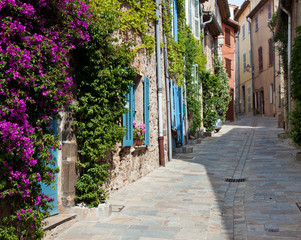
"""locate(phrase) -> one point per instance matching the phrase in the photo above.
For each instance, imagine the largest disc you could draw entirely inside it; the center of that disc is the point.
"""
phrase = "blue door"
(177, 114)
(48, 190)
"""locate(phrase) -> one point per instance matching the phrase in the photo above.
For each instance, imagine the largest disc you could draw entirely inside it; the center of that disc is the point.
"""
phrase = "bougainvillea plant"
(35, 39)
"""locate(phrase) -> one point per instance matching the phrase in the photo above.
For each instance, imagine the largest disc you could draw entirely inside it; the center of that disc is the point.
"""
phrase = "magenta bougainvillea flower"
(36, 38)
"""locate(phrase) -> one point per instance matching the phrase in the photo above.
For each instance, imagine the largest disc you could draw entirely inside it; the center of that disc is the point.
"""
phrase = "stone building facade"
(128, 163)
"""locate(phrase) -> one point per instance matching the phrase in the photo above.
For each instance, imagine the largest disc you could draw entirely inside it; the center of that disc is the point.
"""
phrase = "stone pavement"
(243, 183)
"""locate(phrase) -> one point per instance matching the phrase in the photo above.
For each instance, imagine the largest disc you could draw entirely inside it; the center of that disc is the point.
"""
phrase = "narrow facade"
(244, 86)
(265, 81)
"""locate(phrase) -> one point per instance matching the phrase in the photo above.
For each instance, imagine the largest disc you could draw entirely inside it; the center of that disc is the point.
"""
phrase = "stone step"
(194, 141)
(57, 224)
(185, 149)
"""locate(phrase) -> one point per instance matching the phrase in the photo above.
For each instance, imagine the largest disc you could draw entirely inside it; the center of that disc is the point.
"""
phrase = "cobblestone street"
(242, 183)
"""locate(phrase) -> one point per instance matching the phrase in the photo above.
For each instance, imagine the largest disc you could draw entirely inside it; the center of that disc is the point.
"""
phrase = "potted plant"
(138, 134)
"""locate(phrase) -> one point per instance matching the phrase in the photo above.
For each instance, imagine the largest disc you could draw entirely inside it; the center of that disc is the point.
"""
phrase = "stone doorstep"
(184, 149)
(91, 214)
(57, 224)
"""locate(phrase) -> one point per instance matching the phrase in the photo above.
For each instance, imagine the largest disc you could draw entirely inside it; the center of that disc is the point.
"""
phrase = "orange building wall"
(228, 52)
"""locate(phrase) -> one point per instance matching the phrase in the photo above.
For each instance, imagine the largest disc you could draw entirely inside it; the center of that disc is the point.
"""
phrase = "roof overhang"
(257, 8)
(224, 9)
(213, 27)
(233, 24)
(242, 9)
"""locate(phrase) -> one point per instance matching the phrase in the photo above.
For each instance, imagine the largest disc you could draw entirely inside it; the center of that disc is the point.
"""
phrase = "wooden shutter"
(227, 37)
(197, 20)
(146, 110)
(244, 58)
(175, 20)
(260, 62)
(172, 104)
(243, 31)
(228, 67)
(128, 120)
(181, 113)
(270, 51)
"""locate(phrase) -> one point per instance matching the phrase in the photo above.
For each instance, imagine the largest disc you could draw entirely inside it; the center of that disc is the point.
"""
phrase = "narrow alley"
(242, 183)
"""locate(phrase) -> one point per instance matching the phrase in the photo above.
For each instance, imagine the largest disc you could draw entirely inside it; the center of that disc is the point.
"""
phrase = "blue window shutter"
(181, 113)
(172, 105)
(128, 120)
(175, 19)
(146, 110)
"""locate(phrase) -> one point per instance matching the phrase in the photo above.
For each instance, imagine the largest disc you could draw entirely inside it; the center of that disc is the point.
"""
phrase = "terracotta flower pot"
(137, 142)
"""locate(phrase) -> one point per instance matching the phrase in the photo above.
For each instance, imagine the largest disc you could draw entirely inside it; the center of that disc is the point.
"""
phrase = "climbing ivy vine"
(104, 74)
(296, 88)
(182, 56)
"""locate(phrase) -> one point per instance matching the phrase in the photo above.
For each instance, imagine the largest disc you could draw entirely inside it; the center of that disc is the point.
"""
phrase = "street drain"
(117, 208)
(299, 206)
(235, 179)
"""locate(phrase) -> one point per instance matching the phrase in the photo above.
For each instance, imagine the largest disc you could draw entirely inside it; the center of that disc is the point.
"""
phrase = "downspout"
(167, 99)
(186, 113)
(159, 84)
(252, 65)
(238, 73)
(203, 24)
(288, 60)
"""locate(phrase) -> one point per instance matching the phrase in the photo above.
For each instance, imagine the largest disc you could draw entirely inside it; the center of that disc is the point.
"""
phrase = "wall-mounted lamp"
(220, 40)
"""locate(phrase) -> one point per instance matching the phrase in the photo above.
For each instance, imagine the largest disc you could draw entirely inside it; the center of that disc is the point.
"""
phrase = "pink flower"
(138, 133)
(144, 130)
(134, 123)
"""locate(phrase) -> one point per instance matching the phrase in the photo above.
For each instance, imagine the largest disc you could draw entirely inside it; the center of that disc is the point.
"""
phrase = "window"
(129, 116)
(260, 60)
(271, 55)
(249, 24)
(227, 37)
(249, 98)
(228, 67)
(269, 12)
(243, 31)
(250, 55)
(174, 22)
(256, 23)
(244, 59)
(196, 19)
(271, 93)
(128, 119)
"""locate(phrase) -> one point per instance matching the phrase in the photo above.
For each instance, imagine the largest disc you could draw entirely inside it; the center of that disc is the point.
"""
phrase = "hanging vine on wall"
(104, 72)
(182, 56)
(296, 88)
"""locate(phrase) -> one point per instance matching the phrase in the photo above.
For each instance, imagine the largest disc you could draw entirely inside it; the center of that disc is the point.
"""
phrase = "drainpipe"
(252, 65)
(168, 99)
(203, 24)
(288, 60)
(159, 84)
(185, 102)
(237, 65)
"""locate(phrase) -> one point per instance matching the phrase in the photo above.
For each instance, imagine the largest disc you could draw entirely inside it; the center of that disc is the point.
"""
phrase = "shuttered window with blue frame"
(146, 111)
(128, 120)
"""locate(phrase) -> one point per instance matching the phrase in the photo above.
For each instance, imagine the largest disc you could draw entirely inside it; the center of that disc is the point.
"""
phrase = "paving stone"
(189, 198)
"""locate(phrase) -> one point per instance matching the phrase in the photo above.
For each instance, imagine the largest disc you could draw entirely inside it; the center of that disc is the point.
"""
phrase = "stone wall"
(127, 163)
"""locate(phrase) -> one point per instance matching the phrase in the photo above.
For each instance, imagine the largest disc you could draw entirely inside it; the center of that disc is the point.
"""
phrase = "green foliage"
(182, 56)
(193, 55)
(175, 50)
(104, 73)
(296, 88)
(89, 184)
(215, 93)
